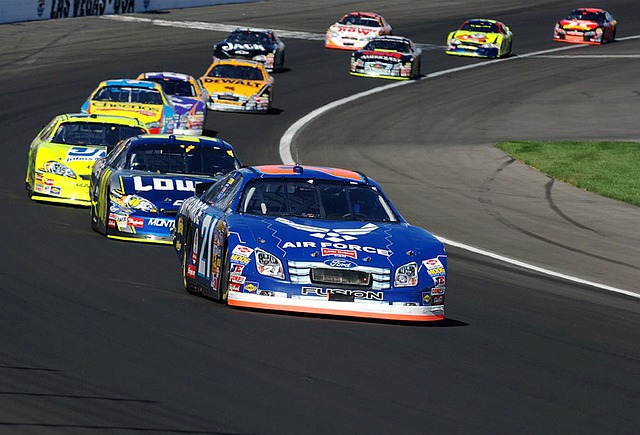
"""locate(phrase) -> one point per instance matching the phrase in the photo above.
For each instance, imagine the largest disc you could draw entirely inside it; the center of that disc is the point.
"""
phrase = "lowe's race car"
(145, 101)
(252, 44)
(137, 188)
(389, 57)
(309, 239)
(62, 155)
(188, 97)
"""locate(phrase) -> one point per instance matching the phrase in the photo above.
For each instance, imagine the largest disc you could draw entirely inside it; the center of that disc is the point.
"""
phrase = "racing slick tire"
(223, 289)
(189, 286)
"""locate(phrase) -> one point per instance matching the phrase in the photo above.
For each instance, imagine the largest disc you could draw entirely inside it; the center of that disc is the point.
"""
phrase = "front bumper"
(474, 51)
(140, 228)
(237, 106)
(317, 305)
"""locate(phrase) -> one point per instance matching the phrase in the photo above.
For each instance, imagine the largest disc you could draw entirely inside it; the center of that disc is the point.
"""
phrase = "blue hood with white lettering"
(166, 191)
(373, 244)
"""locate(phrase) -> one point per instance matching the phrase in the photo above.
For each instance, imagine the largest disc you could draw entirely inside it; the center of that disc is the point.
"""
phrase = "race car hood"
(578, 25)
(80, 158)
(165, 191)
(146, 113)
(247, 88)
(243, 49)
(362, 243)
(357, 31)
(187, 104)
(476, 37)
(384, 56)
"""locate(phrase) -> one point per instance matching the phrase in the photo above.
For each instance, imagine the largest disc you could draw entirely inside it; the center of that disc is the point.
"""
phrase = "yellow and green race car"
(63, 153)
(480, 37)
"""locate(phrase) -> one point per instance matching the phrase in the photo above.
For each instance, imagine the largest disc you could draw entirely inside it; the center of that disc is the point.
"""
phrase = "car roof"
(238, 62)
(111, 119)
(130, 83)
(364, 14)
(167, 75)
(392, 38)
(252, 30)
(306, 172)
(204, 141)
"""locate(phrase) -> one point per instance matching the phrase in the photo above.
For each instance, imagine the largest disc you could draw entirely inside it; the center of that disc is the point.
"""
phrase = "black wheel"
(223, 286)
(189, 286)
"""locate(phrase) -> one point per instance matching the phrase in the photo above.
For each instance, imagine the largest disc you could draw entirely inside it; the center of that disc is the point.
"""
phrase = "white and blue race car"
(312, 240)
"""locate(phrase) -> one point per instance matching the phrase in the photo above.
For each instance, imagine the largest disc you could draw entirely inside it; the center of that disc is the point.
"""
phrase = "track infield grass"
(610, 169)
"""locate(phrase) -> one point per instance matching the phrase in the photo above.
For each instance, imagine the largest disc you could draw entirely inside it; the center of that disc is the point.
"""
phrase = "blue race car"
(312, 240)
(137, 188)
(189, 100)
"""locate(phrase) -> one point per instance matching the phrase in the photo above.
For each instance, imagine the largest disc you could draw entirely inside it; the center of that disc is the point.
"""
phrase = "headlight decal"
(58, 168)
(268, 264)
(406, 275)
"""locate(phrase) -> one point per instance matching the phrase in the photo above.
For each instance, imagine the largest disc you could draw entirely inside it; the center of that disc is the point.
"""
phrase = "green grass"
(610, 169)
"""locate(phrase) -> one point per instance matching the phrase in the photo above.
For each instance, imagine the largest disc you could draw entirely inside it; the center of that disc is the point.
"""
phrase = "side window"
(212, 193)
(228, 192)
(47, 131)
(115, 153)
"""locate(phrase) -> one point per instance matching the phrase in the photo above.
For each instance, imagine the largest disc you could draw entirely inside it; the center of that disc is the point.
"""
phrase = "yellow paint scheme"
(44, 185)
(146, 113)
(245, 89)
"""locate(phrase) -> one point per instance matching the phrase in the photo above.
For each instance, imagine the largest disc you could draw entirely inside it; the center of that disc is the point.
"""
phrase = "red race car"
(586, 26)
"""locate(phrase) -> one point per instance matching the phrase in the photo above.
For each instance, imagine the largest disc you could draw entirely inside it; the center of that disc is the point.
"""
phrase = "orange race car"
(586, 26)
(355, 30)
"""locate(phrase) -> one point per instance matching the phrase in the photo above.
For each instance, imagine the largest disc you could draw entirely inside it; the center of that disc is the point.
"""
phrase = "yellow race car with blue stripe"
(63, 153)
(480, 37)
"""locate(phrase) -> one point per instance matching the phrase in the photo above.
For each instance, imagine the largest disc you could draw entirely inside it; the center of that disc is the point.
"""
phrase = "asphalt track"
(97, 336)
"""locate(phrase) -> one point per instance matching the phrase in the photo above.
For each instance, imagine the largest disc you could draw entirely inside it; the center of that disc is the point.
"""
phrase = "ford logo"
(342, 264)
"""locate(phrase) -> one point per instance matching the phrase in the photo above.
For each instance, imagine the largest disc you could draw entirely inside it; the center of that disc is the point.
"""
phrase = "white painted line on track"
(589, 56)
(288, 137)
(287, 158)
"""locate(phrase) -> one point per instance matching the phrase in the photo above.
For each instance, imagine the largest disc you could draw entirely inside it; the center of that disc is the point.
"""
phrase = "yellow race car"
(238, 85)
(62, 155)
(480, 37)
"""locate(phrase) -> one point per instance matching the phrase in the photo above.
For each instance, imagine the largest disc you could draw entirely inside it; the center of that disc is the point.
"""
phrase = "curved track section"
(98, 336)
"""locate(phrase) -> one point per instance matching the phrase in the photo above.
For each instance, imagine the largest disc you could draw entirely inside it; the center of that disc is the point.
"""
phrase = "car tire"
(28, 188)
(223, 287)
(189, 286)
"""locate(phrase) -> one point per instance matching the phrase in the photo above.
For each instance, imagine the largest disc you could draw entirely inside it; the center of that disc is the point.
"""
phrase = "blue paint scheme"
(216, 242)
(140, 203)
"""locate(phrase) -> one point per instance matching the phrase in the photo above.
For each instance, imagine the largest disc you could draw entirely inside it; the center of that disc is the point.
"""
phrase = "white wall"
(29, 10)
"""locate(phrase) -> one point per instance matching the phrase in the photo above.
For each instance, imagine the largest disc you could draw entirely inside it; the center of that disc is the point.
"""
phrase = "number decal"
(207, 229)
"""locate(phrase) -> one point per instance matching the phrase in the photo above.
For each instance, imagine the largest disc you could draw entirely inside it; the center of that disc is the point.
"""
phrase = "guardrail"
(30, 10)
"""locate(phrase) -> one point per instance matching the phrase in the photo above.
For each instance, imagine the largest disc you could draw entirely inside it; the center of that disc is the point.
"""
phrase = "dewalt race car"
(354, 30)
(188, 97)
(261, 45)
(62, 154)
(145, 101)
(238, 85)
(480, 38)
(312, 240)
(389, 57)
(586, 26)
(137, 188)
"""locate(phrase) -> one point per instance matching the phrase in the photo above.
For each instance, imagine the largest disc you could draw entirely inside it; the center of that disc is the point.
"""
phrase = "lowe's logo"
(342, 264)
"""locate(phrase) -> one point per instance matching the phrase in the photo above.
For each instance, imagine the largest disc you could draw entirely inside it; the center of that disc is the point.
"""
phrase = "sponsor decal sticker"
(342, 264)
(339, 252)
(426, 297)
(359, 294)
(240, 259)
(242, 250)
(432, 263)
(135, 222)
(437, 291)
(239, 279)
(251, 286)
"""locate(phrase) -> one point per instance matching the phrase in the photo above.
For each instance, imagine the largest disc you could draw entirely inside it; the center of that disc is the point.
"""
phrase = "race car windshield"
(249, 37)
(587, 16)
(382, 44)
(480, 26)
(316, 199)
(179, 158)
(128, 95)
(89, 133)
(178, 88)
(239, 72)
(355, 20)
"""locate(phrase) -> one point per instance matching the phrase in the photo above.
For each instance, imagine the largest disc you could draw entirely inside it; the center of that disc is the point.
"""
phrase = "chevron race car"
(389, 57)
(586, 26)
(137, 188)
(261, 45)
(312, 240)
(188, 98)
(62, 155)
(238, 85)
(145, 101)
(355, 30)
(480, 38)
